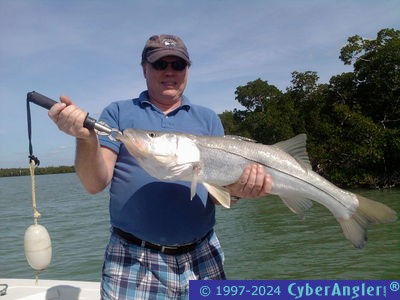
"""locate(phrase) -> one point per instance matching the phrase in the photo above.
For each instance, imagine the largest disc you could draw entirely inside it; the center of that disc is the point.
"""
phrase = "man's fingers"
(55, 110)
(66, 100)
(251, 181)
(259, 183)
(69, 118)
(254, 182)
(267, 186)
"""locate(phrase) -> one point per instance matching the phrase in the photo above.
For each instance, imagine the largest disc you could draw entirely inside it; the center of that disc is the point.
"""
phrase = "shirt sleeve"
(110, 116)
(217, 128)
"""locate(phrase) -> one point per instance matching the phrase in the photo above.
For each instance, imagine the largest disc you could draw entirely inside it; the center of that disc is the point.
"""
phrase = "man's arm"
(93, 164)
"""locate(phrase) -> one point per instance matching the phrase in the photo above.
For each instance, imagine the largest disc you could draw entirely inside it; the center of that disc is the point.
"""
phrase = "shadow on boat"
(63, 292)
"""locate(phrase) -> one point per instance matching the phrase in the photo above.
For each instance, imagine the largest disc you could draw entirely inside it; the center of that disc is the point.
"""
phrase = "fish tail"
(368, 212)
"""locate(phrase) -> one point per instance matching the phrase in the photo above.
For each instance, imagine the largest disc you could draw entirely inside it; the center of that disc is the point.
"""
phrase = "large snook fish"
(219, 161)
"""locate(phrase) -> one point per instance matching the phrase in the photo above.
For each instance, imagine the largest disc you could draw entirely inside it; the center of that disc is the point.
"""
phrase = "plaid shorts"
(133, 272)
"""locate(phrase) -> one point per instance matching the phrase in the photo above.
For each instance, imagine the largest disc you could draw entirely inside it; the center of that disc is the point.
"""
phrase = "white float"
(37, 245)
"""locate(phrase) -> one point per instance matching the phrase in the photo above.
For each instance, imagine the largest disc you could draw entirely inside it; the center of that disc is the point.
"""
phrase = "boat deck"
(27, 289)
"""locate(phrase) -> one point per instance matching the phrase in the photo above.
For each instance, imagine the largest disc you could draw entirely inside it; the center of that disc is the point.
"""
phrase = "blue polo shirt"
(157, 211)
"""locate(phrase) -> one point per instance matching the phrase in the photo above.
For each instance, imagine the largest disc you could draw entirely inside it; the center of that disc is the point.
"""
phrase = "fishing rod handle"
(48, 103)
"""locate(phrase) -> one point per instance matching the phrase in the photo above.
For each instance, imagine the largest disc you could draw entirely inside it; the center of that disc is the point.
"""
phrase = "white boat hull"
(27, 289)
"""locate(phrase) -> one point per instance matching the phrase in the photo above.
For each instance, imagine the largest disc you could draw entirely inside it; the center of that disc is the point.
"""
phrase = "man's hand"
(69, 118)
(253, 183)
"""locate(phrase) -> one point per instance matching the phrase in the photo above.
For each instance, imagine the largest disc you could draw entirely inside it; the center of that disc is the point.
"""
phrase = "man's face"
(165, 86)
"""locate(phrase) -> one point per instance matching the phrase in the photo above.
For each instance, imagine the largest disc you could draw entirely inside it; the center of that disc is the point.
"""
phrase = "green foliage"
(352, 123)
(358, 153)
(377, 75)
(256, 95)
(38, 171)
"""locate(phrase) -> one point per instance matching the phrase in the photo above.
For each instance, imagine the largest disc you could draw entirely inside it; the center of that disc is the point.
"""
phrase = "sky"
(90, 51)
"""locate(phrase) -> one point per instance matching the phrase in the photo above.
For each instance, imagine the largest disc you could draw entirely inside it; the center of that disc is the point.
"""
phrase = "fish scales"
(287, 173)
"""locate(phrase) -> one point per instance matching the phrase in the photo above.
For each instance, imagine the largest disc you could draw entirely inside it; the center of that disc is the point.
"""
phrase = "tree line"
(352, 122)
(38, 171)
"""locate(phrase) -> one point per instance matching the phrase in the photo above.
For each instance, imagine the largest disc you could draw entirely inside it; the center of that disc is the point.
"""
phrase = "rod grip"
(48, 103)
(40, 100)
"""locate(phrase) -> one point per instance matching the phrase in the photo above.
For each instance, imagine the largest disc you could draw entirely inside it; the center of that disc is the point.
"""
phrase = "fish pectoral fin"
(195, 179)
(219, 193)
(298, 205)
(368, 212)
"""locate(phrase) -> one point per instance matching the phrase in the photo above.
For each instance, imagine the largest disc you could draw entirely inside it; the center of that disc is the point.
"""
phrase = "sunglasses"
(177, 65)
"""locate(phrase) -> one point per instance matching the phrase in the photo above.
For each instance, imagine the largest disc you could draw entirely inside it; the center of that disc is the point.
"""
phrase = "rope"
(36, 213)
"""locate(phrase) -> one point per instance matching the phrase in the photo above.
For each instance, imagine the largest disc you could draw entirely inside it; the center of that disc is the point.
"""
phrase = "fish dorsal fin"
(239, 138)
(296, 147)
(219, 193)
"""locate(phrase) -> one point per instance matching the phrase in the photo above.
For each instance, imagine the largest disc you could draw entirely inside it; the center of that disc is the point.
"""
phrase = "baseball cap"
(159, 46)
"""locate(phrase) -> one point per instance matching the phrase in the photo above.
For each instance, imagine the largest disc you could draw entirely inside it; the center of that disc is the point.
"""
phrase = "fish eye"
(152, 134)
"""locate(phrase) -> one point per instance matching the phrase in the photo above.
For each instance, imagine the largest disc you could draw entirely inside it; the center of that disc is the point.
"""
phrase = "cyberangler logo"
(169, 42)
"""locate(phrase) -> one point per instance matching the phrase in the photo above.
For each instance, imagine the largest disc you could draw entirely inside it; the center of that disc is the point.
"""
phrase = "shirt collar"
(145, 101)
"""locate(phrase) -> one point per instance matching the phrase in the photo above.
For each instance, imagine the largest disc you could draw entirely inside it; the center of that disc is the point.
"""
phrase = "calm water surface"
(262, 239)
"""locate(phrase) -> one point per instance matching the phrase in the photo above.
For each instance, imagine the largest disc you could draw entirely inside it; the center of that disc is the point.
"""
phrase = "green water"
(262, 239)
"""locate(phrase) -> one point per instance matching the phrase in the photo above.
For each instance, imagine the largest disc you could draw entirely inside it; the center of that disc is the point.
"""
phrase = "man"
(160, 239)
